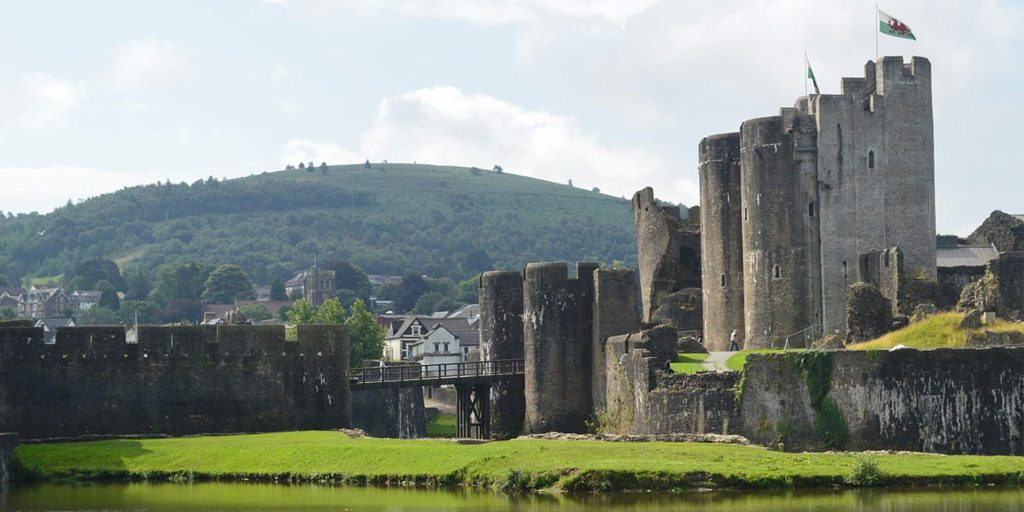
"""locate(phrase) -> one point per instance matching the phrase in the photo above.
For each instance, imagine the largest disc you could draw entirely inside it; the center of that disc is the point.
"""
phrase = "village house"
(44, 303)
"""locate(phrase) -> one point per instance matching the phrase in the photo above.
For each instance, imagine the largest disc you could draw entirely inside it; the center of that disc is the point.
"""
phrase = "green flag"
(893, 27)
(810, 74)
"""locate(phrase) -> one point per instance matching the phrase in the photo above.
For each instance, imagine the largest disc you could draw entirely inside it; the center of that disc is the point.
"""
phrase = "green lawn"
(580, 465)
(938, 331)
(441, 424)
(739, 359)
(689, 363)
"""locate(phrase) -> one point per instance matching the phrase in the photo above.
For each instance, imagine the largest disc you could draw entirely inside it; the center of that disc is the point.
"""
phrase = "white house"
(438, 346)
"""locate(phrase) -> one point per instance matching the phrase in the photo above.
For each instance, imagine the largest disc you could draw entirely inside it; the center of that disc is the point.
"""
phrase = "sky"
(614, 94)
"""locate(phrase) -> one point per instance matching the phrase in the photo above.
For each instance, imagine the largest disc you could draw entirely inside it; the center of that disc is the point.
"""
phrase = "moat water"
(137, 497)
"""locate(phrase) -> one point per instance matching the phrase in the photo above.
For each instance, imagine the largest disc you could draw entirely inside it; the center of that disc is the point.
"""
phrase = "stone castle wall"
(778, 284)
(721, 221)
(177, 381)
(645, 397)
(557, 341)
(947, 401)
(837, 176)
(501, 337)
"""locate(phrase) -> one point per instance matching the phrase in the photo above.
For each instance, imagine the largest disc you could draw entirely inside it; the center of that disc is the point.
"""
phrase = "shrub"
(514, 480)
(865, 473)
(830, 425)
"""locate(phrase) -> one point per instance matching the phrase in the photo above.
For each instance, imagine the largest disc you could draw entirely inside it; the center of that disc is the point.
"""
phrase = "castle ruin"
(792, 202)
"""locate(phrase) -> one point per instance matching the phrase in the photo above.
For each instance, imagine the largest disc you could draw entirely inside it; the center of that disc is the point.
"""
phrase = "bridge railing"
(442, 371)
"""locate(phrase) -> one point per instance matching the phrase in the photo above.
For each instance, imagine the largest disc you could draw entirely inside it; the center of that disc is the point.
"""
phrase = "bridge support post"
(473, 411)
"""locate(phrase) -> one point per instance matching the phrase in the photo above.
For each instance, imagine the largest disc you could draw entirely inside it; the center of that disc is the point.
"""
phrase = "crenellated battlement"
(158, 344)
(172, 380)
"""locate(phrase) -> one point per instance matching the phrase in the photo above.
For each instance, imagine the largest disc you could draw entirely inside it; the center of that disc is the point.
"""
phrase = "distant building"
(316, 285)
(83, 300)
(401, 337)
(50, 326)
(438, 346)
(10, 297)
(262, 293)
(44, 303)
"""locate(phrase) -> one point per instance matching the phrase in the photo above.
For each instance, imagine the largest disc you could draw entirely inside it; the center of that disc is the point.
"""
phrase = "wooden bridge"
(471, 379)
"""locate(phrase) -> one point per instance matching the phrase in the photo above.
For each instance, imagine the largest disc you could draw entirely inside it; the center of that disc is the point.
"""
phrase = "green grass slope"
(937, 331)
(579, 465)
(389, 219)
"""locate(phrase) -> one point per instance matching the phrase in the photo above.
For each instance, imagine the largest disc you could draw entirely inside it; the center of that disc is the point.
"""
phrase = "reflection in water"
(266, 498)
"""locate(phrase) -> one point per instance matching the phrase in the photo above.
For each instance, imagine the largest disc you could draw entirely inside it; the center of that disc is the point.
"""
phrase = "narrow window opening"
(846, 272)
(745, 216)
(810, 209)
(886, 258)
(871, 159)
(777, 272)
(723, 280)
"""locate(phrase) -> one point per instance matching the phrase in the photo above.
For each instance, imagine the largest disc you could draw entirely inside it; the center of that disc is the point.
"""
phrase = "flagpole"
(805, 73)
(877, 30)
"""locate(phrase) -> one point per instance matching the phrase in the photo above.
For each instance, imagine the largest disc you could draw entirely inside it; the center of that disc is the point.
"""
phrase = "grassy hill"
(389, 219)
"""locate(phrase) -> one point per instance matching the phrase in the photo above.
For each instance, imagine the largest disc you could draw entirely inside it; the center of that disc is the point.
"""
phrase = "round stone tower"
(721, 221)
(557, 331)
(501, 338)
(776, 291)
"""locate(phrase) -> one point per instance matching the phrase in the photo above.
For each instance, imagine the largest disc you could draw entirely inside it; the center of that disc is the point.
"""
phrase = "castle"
(791, 205)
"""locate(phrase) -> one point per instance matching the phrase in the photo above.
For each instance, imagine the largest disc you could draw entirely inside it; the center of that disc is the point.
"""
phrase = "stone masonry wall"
(557, 341)
(614, 313)
(174, 381)
(947, 401)
(390, 412)
(644, 397)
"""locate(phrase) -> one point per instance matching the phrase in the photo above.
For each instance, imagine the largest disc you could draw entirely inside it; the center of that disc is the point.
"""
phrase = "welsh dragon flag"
(893, 27)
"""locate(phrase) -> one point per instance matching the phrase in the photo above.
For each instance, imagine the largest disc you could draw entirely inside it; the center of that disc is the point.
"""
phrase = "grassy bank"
(689, 363)
(510, 465)
(937, 331)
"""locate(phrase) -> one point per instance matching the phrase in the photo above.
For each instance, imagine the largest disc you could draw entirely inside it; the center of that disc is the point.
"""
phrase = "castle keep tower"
(501, 337)
(557, 337)
(721, 239)
(820, 185)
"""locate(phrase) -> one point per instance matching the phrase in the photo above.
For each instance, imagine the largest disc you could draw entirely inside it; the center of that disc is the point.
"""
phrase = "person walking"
(733, 347)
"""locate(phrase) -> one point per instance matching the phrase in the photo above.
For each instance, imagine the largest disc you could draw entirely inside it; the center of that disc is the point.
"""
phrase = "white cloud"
(147, 62)
(446, 125)
(299, 150)
(489, 12)
(22, 191)
(41, 102)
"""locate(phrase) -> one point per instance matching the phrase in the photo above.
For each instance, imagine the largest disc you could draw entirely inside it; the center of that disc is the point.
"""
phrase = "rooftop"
(965, 256)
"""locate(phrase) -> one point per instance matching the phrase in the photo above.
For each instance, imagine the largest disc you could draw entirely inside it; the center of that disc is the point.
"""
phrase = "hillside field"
(388, 218)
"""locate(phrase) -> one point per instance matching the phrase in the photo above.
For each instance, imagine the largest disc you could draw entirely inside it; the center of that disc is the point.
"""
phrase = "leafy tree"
(330, 312)
(302, 165)
(498, 169)
(277, 290)
(432, 301)
(301, 312)
(366, 164)
(89, 272)
(138, 284)
(468, 291)
(366, 336)
(108, 295)
(350, 277)
(144, 310)
(255, 312)
(8, 313)
(182, 310)
(478, 261)
(98, 315)
(226, 284)
(181, 280)
(412, 287)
